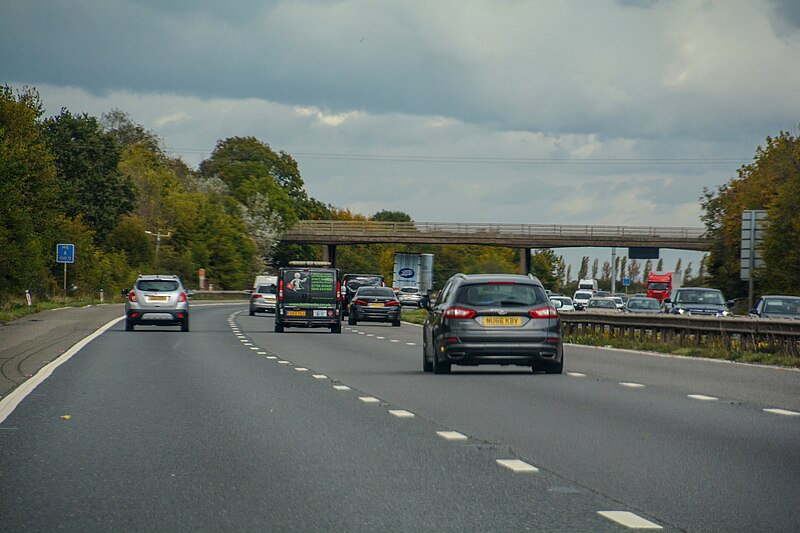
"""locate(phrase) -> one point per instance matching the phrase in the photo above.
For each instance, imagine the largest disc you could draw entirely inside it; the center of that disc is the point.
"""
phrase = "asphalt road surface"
(232, 427)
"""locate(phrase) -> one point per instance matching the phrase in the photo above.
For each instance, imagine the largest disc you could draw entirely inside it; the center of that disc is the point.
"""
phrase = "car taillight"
(132, 297)
(392, 303)
(359, 302)
(182, 297)
(256, 296)
(339, 291)
(543, 312)
(459, 312)
(280, 290)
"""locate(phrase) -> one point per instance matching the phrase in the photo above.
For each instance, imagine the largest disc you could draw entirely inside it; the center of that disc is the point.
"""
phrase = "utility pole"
(158, 235)
(613, 269)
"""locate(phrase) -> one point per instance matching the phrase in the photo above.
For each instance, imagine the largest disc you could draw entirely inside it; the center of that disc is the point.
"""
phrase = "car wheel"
(438, 366)
(396, 323)
(351, 320)
(278, 327)
(252, 313)
(128, 325)
(427, 366)
(554, 368)
(185, 324)
(337, 328)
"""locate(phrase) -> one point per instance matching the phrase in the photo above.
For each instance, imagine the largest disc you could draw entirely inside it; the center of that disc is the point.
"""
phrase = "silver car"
(157, 300)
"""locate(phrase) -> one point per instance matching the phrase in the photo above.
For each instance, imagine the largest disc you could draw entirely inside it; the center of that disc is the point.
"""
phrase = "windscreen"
(782, 306)
(603, 304)
(266, 289)
(583, 295)
(657, 286)
(376, 291)
(512, 294)
(156, 285)
(699, 297)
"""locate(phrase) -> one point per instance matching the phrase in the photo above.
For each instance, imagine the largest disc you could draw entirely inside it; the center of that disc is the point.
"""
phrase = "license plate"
(296, 313)
(320, 313)
(376, 304)
(158, 298)
(502, 321)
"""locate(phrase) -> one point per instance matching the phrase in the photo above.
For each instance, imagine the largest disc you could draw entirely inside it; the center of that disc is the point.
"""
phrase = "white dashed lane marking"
(401, 413)
(272, 357)
(394, 340)
(783, 412)
(301, 369)
(701, 397)
(451, 435)
(576, 374)
(517, 466)
(411, 344)
(341, 387)
(284, 363)
(369, 399)
(381, 338)
(255, 348)
(629, 520)
(632, 385)
(320, 376)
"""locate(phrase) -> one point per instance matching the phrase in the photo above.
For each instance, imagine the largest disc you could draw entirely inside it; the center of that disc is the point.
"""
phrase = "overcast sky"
(568, 112)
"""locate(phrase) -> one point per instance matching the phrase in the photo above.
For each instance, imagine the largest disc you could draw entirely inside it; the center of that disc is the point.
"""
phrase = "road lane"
(722, 466)
(168, 431)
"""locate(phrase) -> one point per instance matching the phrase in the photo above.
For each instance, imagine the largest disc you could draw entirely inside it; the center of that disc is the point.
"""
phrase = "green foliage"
(545, 265)
(391, 216)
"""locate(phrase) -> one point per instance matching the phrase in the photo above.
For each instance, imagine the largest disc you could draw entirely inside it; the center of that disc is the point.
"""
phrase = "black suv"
(500, 319)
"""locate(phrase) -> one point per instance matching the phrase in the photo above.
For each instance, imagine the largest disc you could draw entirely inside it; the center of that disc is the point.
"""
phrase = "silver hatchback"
(157, 300)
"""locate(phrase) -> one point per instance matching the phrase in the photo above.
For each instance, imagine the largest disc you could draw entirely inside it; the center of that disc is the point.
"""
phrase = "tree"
(391, 216)
(660, 265)
(584, 270)
(648, 267)
(595, 267)
(623, 268)
(87, 162)
(29, 191)
(127, 133)
(606, 272)
(568, 278)
(544, 265)
(634, 269)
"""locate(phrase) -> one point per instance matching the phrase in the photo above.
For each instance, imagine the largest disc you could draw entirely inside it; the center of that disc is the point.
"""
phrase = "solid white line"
(516, 466)
(341, 387)
(369, 399)
(401, 413)
(628, 519)
(451, 435)
(783, 412)
(576, 374)
(632, 385)
(702, 397)
(10, 402)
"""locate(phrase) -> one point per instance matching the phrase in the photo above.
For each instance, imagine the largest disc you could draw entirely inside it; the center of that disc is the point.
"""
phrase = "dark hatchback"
(374, 304)
(498, 319)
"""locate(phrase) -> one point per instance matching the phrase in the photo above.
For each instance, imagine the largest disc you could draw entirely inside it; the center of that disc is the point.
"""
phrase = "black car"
(499, 319)
(374, 304)
(698, 301)
(352, 282)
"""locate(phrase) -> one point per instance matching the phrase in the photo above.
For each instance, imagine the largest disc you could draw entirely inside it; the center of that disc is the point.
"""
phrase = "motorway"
(232, 427)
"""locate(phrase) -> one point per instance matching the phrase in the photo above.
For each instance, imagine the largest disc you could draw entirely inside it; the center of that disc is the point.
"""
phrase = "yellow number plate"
(376, 304)
(157, 298)
(502, 321)
(296, 313)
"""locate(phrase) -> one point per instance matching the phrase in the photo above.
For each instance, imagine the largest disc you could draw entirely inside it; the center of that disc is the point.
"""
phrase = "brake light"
(392, 303)
(182, 297)
(501, 283)
(459, 312)
(280, 290)
(132, 297)
(543, 312)
(338, 291)
(256, 296)
(359, 302)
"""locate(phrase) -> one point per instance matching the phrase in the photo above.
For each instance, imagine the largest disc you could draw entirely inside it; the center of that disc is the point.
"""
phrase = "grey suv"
(500, 319)
(157, 300)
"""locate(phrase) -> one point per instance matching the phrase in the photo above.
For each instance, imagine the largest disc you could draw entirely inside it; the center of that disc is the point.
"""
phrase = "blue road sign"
(65, 253)
(626, 282)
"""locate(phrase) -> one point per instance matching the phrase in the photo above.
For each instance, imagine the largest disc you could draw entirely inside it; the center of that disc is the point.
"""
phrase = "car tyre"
(438, 366)
(252, 313)
(396, 323)
(185, 324)
(351, 320)
(337, 328)
(278, 327)
(427, 366)
(128, 325)
(555, 368)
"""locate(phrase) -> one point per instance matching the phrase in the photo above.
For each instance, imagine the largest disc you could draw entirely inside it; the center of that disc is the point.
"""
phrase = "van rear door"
(310, 294)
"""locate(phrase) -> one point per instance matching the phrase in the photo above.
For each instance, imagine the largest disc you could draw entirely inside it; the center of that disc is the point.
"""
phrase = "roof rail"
(310, 263)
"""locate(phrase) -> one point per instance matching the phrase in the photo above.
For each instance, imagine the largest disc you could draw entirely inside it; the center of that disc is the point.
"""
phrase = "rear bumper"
(258, 307)
(525, 354)
(377, 314)
(157, 317)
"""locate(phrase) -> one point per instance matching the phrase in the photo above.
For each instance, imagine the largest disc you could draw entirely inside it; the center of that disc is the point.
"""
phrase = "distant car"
(500, 319)
(622, 295)
(374, 304)
(619, 301)
(262, 299)
(643, 305)
(602, 305)
(602, 294)
(411, 296)
(157, 300)
(776, 307)
(699, 301)
(580, 298)
(562, 303)
(352, 282)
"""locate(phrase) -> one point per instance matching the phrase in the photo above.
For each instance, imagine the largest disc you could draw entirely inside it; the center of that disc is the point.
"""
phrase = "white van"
(263, 294)
(581, 298)
(587, 285)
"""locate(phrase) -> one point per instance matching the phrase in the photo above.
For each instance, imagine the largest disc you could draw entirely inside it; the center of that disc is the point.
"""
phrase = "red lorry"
(661, 284)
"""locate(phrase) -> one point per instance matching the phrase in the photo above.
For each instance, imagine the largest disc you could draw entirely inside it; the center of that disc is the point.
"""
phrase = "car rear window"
(353, 284)
(163, 285)
(266, 289)
(511, 294)
(376, 291)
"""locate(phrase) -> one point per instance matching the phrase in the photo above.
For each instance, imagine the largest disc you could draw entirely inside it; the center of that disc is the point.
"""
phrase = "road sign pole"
(752, 262)
(65, 277)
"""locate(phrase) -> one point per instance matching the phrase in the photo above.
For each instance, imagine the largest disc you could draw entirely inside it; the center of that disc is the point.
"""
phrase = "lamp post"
(158, 235)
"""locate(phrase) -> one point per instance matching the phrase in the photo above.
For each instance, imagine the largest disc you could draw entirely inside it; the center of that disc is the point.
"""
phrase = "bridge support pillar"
(329, 254)
(524, 261)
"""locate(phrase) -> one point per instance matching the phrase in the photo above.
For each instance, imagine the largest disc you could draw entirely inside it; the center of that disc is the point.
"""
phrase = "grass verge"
(13, 310)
